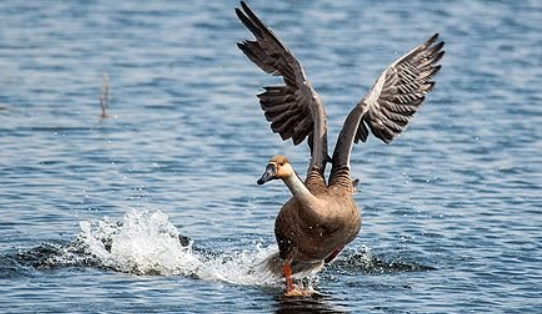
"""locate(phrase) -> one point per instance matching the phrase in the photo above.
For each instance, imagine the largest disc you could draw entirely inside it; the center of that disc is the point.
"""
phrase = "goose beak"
(269, 174)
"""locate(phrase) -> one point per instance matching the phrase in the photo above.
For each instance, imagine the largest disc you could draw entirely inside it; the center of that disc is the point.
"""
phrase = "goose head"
(278, 167)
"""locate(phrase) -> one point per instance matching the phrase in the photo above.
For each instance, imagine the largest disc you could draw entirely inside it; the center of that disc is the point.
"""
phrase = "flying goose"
(321, 218)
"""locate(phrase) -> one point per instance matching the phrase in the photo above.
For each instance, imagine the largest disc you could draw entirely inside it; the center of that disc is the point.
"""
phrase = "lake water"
(92, 209)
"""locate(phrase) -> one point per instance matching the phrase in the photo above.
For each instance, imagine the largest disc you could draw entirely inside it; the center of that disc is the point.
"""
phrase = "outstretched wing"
(400, 91)
(392, 101)
(294, 109)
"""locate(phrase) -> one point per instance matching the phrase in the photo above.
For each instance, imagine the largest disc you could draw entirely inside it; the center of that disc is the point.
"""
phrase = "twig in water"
(104, 97)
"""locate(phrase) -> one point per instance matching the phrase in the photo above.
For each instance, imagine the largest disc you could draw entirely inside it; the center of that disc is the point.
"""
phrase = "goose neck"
(298, 189)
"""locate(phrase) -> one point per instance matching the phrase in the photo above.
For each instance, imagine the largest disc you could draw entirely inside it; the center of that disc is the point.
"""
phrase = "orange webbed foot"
(297, 292)
(291, 289)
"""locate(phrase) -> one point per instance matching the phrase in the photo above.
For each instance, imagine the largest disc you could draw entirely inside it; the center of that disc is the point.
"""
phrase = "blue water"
(91, 209)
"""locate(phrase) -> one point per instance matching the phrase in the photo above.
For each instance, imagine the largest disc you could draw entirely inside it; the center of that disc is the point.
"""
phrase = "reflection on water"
(315, 304)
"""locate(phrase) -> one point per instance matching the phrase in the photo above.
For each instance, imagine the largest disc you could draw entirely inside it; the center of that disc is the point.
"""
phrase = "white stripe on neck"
(298, 188)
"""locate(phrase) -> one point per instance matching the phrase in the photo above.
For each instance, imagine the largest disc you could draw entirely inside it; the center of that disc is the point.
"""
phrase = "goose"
(321, 217)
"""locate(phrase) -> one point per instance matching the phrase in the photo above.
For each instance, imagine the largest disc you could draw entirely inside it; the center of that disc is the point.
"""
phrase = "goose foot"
(291, 289)
(297, 292)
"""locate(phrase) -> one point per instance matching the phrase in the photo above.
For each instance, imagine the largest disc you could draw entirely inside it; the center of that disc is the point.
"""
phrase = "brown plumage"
(322, 217)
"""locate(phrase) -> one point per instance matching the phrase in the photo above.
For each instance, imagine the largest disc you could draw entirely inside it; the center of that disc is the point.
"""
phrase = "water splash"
(365, 261)
(146, 243)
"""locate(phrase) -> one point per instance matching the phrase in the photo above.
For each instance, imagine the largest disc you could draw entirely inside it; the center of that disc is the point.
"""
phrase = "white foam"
(145, 242)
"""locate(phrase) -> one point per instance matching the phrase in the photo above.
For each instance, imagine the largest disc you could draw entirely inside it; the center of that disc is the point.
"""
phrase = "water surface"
(92, 209)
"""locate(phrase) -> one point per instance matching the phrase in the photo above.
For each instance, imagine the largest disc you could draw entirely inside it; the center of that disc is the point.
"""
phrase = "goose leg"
(291, 289)
(287, 269)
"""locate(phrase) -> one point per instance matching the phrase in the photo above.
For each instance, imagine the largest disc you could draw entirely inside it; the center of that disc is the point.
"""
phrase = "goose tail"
(271, 267)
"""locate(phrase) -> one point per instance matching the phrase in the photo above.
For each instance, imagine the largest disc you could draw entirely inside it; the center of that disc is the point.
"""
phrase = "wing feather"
(294, 109)
(400, 91)
(391, 103)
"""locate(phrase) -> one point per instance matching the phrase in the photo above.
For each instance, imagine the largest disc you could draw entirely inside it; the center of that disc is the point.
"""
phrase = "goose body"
(314, 227)
(322, 217)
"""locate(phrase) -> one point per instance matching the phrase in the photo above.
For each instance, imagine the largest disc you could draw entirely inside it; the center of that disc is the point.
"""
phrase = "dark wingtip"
(360, 138)
(238, 12)
(245, 6)
(436, 70)
(431, 40)
(241, 46)
(428, 42)
(437, 47)
(439, 56)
